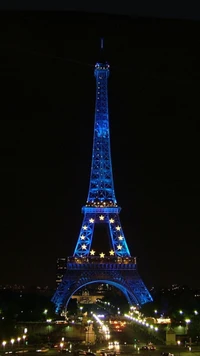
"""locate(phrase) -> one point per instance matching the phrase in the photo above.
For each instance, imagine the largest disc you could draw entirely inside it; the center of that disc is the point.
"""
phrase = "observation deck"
(100, 207)
(101, 263)
(100, 210)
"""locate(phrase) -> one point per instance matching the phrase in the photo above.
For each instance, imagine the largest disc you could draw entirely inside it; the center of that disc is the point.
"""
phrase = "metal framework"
(118, 269)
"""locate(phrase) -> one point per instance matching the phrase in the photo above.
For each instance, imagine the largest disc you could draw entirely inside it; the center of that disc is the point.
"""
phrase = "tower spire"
(101, 189)
(102, 43)
(102, 51)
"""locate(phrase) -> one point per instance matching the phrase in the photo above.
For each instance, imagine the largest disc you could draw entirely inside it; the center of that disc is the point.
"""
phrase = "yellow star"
(91, 221)
(102, 255)
(82, 237)
(92, 252)
(111, 253)
(84, 227)
(118, 228)
(119, 247)
(120, 238)
(101, 217)
(84, 247)
(112, 221)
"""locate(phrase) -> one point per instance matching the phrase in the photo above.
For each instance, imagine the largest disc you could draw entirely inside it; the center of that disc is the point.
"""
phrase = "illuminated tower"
(101, 205)
(117, 267)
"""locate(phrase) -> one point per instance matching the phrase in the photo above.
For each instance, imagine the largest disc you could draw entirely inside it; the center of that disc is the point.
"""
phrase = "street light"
(187, 323)
(18, 340)
(61, 346)
(4, 344)
(24, 338)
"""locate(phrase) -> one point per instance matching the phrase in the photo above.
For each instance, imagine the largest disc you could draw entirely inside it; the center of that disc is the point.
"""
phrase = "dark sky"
(174, 9)
(46, 130)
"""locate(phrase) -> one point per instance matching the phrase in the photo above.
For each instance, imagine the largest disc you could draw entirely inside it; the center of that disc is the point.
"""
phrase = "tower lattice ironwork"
(119, 267)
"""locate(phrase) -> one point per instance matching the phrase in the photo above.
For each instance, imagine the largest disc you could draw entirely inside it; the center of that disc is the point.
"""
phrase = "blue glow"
(119, 269)
(101, 196)
(136, 294)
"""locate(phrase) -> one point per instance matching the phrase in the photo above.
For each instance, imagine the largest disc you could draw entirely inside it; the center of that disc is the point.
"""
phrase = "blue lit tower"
(117, 267)
(101, 203)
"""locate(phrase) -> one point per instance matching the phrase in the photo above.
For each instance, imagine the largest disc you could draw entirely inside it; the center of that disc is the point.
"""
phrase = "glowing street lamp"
(187, 321)
(4, 344)
(18, 340)
(24, 338)
(12, 341)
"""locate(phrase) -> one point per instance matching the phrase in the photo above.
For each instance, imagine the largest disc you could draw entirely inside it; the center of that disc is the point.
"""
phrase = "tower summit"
(101, 189)
(115, 266)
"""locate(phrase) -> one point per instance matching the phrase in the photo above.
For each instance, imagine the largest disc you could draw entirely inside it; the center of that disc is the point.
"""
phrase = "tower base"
(117, 271)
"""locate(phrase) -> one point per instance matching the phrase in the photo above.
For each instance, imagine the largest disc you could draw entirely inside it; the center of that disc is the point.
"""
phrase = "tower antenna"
(102, 43)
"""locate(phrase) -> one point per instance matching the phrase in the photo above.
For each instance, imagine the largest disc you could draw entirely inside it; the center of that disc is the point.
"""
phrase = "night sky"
(46, 131)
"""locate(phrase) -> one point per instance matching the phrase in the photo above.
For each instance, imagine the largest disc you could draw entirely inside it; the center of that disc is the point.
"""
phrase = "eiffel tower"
(118, 268)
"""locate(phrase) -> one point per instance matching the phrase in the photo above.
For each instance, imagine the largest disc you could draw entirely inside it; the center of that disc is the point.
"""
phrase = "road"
(125, 350)
(128, 350)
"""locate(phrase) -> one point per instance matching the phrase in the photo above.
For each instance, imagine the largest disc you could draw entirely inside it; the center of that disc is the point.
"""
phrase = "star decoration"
(102, 255)
(119, 247)
(84, 227)
(118, 228)
(120, 238)
(92, 252)
(101, 217)
(84, 247)
(112, 221)
(91, 221)
(82, 237)
(111, 253)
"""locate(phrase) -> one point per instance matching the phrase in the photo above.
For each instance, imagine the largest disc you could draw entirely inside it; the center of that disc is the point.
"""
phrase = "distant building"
(86, 297)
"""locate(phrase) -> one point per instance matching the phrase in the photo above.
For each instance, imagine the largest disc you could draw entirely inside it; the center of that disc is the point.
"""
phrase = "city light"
(142, 321)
